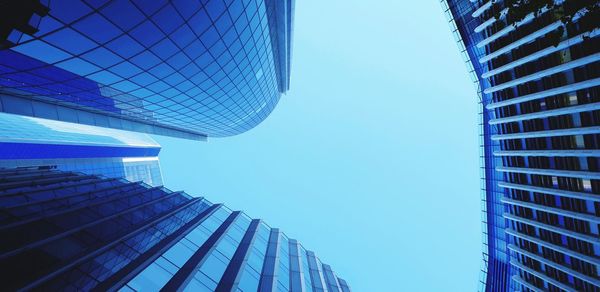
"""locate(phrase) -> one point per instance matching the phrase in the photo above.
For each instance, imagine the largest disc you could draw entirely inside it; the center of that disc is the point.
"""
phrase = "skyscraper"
(537, 70)
(187, 69)
(68, 231)
(27, 141)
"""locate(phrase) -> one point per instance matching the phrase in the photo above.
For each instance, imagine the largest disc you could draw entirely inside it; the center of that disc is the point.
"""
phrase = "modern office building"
(537, 71)
(68, 231)
(27, 141)
(187, 69)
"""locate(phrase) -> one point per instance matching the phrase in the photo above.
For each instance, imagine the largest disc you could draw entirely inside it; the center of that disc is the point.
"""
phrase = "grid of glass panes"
(210, 272)
(157, 274)
(200, 65)
(251, 270)
(96, 232)
(212, 268)
(98, 269)
(146, 171)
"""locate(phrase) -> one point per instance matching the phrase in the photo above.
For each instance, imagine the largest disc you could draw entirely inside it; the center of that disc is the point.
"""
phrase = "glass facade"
(187, 69)
(27, 141)
(538, 82)
(69, 231)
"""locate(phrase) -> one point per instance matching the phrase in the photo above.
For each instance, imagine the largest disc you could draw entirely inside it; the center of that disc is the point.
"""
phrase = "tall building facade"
(187, 69)
(68, 231)
(27, 141)
(536, 67)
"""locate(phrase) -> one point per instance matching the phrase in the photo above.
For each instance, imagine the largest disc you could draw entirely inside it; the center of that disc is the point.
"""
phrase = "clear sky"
(371, 159)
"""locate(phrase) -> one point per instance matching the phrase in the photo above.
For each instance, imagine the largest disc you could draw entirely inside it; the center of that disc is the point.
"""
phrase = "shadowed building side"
(70, 231)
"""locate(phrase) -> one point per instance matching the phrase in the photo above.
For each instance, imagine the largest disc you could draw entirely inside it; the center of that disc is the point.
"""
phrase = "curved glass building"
(537, 71)
(185, 68)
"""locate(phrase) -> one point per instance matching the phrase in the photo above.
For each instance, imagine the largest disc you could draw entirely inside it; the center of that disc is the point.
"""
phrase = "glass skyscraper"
(188, 69)
(27, 141)
(537, 73)
(69, 231)
(82, 206)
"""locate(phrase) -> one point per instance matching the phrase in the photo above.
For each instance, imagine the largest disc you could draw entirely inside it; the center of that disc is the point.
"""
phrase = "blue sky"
(371, 159)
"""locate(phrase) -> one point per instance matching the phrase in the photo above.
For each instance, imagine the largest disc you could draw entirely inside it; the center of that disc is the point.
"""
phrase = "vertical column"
(344, 285)
(316, 274)
(296, 274)
(127, 273)
(331, 279)
(184, 275)
(268, 277)
(231, 275)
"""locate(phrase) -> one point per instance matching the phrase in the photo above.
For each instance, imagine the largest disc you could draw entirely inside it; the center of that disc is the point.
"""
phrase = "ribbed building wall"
(539, 86)
(64, 231)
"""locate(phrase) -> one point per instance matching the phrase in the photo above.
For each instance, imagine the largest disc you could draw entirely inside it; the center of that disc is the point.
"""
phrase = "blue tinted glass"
(97, 28)
(123, 13)
(162, 38)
